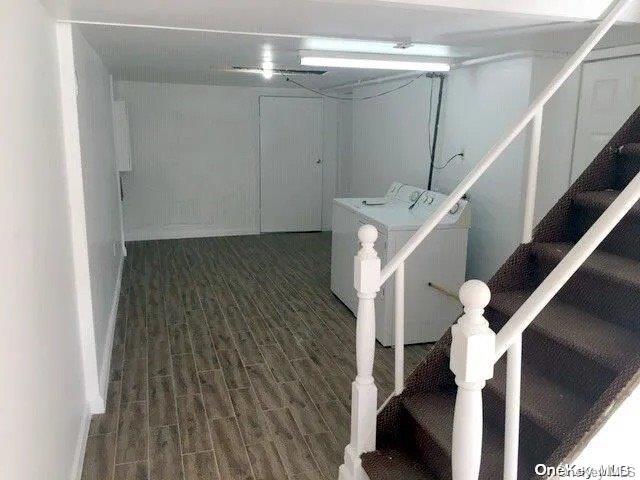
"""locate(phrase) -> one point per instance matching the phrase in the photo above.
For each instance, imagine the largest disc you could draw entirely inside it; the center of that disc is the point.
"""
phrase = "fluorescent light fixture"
(365, 46)
(374, 64)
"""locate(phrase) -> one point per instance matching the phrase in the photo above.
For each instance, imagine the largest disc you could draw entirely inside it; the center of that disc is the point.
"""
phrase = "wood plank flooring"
(232, 360)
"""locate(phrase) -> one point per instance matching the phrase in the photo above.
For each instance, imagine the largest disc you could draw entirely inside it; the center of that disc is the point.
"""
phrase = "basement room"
(318, 239)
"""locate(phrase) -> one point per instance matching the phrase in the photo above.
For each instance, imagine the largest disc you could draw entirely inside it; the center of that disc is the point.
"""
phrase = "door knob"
(319, 161)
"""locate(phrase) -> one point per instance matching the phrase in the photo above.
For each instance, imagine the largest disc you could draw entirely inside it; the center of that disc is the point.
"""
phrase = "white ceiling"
(238, 30)
(177, 56)
(338, 18)
(332, 17)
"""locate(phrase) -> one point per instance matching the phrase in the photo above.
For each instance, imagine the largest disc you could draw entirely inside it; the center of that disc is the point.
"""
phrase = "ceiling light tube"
(368, 63)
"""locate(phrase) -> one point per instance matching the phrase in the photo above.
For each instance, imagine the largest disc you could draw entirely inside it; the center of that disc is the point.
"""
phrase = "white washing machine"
(441, 259)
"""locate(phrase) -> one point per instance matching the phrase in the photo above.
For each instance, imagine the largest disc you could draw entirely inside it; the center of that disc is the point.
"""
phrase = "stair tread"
(614, 267)
(433, 411)
(608, 343)
(600, 200)
(549, 404)
(391, 464)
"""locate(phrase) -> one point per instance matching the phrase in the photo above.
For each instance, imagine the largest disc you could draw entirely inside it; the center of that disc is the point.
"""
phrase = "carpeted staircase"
(581, 355)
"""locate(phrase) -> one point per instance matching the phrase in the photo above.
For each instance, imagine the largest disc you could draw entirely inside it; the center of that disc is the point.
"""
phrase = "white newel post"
(364, 394)
(472, 360)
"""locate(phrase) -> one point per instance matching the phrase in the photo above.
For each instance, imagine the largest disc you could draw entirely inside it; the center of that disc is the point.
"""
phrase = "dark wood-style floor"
(231, 360)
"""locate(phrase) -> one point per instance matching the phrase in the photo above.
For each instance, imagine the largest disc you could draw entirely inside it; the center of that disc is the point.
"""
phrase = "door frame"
(322, 152)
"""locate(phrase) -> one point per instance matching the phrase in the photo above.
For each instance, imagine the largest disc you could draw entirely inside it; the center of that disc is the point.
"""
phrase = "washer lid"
(392, 211)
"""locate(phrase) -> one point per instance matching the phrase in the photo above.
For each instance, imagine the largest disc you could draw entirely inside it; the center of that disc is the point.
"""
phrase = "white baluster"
(364, 394)
(512, 411)
(472, 360)
(399, 329)
(514, 357)
(531, 183)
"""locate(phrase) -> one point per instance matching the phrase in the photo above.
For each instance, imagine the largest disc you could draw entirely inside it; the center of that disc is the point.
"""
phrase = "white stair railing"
(472, 359)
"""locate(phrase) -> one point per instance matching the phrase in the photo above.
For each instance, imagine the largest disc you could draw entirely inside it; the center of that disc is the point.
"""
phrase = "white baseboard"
(81, 444)
(98, 405)
(185, 231)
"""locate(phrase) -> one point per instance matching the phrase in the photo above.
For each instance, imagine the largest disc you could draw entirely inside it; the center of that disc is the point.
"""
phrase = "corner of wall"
(81, 444)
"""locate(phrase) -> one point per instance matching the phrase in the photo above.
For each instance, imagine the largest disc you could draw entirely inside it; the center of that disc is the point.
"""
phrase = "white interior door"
(609, 93)
(290, 164)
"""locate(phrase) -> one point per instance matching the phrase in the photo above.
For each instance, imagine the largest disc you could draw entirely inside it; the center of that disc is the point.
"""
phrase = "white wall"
(480, 103)
(101, 196)
(42, 401)
(390, 137)
(345, 148)
(195, 157)
(329, 158)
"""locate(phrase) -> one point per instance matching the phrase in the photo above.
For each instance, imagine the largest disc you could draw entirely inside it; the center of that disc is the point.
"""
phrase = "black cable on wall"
(368, 97)
(435, 133)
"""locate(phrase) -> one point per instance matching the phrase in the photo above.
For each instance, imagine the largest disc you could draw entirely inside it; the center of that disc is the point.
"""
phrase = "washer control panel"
(426, 201)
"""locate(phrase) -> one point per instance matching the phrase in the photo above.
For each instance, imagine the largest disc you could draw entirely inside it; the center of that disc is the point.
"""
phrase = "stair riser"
(623, 240)
(628, 167)
(601, 296)
(388, 437)
(428, 450)
(578, 370)
(538, 443)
